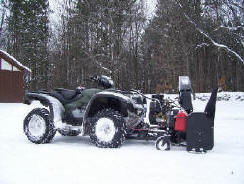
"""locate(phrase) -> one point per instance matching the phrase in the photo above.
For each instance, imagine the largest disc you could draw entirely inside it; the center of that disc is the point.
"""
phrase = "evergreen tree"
(100, 37)
(196, 38)
(28, 37)
(3, 4)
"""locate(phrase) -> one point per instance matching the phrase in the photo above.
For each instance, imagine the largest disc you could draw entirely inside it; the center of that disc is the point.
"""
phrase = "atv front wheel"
(69, 132)
(39, 127)
(107, 129)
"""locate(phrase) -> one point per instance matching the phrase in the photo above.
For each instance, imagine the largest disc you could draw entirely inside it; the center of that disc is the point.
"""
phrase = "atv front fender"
(115, 101)
(109, 100)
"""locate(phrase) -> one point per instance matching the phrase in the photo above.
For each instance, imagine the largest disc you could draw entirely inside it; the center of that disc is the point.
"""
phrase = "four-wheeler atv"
(110, 116)
(103, 114)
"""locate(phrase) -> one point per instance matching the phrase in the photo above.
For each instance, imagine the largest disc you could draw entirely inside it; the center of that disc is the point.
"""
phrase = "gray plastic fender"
(55, 107)
(124, 102)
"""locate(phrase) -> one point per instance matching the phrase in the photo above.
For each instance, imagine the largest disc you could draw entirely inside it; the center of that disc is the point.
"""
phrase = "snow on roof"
(13, 61)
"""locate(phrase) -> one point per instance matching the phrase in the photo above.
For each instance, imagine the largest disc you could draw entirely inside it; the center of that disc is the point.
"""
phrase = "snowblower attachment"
(185, 93)
(200, 127)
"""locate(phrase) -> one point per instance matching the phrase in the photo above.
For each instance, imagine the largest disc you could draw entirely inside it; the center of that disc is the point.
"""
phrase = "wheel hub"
(162, 145)
(105, 129)
(37, 126)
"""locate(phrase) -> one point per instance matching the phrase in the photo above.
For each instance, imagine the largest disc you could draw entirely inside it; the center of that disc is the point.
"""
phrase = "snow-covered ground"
(75, 160)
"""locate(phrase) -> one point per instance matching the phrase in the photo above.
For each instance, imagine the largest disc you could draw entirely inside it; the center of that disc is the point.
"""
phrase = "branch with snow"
(202, 45)
(96, 61)
(215, 43)
(231, 2)
(221, 46)
(230, 28)
(104, 68)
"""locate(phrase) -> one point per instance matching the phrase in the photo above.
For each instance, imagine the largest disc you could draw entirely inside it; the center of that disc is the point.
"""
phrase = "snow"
(76, 160)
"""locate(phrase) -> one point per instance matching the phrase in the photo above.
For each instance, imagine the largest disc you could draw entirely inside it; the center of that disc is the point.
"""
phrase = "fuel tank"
(180, 122)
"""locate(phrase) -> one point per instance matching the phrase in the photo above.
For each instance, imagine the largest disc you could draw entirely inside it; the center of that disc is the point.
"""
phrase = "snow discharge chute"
(185, 93)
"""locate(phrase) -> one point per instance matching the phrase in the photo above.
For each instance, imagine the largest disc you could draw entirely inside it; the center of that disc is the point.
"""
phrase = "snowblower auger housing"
(200, 127)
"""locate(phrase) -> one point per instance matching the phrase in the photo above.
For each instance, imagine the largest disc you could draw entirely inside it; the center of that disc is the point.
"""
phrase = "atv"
(103, 114)
(109, 116)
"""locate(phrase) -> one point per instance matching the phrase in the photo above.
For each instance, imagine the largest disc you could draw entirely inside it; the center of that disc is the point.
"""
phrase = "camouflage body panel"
(86, 95)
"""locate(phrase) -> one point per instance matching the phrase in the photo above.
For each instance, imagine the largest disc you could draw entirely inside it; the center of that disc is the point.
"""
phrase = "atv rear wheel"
(69, 132)
(38, 126)
(107, 129)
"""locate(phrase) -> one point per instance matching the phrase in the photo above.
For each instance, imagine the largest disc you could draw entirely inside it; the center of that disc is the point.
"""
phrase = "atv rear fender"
(55, 107)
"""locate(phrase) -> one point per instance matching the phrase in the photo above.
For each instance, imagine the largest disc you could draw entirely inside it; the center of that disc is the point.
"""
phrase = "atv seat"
(66, 93)
(65, 96)
(200, 127)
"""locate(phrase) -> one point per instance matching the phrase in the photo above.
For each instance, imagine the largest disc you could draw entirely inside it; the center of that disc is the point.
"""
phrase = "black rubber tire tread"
(50, 128)
(69, 133)
(119, 122)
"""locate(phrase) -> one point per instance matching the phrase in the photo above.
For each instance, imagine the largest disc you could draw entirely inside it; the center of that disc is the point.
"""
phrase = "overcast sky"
(55, 6)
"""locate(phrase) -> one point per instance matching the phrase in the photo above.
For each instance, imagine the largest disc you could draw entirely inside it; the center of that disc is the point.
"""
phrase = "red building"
(12, 74)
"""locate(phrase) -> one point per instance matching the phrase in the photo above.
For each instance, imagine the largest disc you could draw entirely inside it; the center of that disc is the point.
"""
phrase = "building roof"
(7, 57)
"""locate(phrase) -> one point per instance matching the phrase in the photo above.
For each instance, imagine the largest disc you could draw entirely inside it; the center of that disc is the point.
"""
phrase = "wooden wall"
(11, 86)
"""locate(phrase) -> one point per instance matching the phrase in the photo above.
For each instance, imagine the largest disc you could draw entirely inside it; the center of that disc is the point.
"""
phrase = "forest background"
(138, 48)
